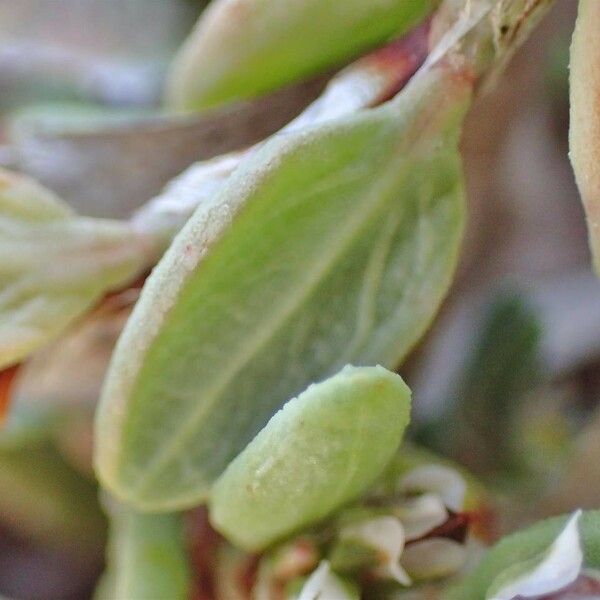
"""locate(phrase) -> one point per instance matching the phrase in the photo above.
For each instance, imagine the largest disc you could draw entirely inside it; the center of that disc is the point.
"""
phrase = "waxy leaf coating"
(584, 137)
(243, 48)
(321, 450)
(330, 245)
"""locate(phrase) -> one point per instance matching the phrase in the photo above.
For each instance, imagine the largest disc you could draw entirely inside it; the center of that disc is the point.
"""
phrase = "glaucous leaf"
(522, 554)
(366, 82)
(54, 265)
(330, 245)
(321, 450)
(243, 48)
(146, 558)
(584, 137)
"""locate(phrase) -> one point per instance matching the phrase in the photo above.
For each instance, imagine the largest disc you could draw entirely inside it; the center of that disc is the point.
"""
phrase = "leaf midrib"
(319, 268)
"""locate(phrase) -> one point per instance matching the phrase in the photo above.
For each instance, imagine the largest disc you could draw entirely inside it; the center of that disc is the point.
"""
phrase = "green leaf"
(323, 449)
(584, 135)
(55, 265)
(365, 83)
(244, 48)
(49, 392)
(330, 245)
(525, 546)
(146, 558)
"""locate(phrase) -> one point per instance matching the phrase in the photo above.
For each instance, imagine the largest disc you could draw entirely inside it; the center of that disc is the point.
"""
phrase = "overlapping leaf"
(335, 244)
(54, 265)
(357, 86)
(322, 450)
(242, 48)
(365, 83)
(328, 245)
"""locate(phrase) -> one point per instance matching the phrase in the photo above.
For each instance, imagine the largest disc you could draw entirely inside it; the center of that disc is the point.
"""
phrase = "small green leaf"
(55, 265)
(320, 451)
(330, 245)
(244, 48)
(526, 548)
(146, 558)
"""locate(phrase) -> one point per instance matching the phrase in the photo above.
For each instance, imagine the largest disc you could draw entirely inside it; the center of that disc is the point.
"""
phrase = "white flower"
(447, 483)
(386, 536)
(323, 585)
(433, 558)
(421, 514)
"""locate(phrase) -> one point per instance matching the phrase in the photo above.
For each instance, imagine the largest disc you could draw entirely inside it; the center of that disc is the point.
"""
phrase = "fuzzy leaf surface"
(320, 451)
(331, 245)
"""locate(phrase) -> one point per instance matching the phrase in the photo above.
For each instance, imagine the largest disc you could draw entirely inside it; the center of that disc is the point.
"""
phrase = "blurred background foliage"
(508, 380)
